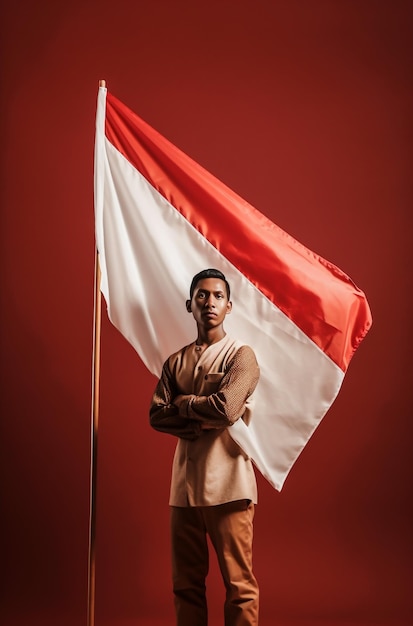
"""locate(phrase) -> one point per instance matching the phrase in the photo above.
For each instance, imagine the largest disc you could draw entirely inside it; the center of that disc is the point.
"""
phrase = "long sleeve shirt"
(200, 394)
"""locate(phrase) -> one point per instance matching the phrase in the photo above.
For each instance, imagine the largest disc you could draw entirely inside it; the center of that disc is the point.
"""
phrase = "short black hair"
(209, 273)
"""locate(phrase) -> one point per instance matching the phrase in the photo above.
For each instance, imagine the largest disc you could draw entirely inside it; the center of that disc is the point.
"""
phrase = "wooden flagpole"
(97, 310)
(94, 441)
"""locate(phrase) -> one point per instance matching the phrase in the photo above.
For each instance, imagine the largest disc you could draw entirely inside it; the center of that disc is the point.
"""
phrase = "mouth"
(209, 314)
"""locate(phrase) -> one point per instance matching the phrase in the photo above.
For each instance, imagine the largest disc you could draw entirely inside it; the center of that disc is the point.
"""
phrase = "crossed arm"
(187, 416)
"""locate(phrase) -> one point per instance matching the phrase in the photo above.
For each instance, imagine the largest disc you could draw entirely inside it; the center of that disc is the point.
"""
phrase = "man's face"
(209, 304)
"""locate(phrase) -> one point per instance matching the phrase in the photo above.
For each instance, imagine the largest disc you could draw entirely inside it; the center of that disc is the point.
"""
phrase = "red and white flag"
(160, 219)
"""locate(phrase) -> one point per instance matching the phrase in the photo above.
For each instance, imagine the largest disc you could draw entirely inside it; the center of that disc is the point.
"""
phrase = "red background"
(304, 109)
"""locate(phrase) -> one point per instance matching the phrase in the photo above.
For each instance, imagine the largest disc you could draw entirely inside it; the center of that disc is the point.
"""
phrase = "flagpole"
(94, 441)
(97, 308)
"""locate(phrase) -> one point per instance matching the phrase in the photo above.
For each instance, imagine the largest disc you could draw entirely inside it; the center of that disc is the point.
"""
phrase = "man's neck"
(209, 337)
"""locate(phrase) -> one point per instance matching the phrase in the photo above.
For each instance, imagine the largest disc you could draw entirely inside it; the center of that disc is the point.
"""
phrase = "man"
(204, 388)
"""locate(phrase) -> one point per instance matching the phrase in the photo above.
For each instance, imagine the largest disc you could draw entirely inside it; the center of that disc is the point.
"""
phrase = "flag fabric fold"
(160, 219)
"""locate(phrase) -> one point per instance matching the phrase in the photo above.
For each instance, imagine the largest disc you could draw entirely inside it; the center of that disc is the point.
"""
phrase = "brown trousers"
(230, 529)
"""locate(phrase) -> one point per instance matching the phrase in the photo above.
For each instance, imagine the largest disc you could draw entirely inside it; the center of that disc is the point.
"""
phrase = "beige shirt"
(209, 468)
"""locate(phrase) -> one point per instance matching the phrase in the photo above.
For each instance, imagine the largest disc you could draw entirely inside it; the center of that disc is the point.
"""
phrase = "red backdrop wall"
(304, 109)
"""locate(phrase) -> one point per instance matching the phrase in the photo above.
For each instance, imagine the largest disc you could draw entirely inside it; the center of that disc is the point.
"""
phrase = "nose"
(209, 302)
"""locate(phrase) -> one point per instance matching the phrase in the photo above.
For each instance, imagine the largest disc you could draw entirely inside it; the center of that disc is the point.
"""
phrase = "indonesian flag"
(160, 219)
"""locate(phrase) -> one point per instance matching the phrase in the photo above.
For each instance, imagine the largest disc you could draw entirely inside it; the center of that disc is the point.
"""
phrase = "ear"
(229, 307)
(188, 306)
